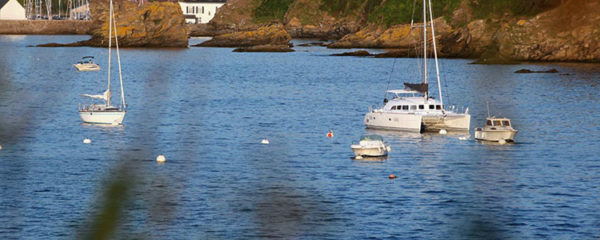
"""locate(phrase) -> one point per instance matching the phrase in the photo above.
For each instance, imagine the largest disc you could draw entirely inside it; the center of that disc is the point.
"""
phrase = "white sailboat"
(106, 113)
(412, 109)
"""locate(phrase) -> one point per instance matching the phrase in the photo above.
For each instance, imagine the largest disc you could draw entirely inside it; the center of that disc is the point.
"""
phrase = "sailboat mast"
(437, 67)
(109, 50)
(119, 61)
(425, 45)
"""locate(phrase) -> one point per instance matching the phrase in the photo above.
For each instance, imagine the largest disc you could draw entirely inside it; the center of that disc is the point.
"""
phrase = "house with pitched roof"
(200, 11)
(11, 10)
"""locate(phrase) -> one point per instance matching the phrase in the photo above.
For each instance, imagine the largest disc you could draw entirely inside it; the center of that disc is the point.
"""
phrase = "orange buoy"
(330, 134)
(392, 176)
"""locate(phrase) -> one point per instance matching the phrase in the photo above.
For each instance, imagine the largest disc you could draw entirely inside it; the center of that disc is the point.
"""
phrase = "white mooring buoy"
(0, 147)
(161, 158)
(265, 141)
(87, 141)
(443, 132)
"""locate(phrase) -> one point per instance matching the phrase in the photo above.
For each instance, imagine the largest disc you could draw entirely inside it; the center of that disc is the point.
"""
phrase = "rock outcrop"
(398, 36)
(151, 24)
(273, 34)
(547, 30)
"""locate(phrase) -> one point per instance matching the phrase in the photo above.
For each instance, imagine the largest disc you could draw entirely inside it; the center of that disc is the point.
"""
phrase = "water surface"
(206, 110)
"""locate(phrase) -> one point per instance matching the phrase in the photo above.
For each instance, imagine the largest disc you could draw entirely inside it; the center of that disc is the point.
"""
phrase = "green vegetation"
(346, 7)
(401, 11)
(272, 10)
(388, 12)
(485, 8)
(391, 12)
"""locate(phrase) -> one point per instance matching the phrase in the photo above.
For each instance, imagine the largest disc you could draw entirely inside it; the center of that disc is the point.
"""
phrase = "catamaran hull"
(455, 122)
(112, 117)
(496, 136)
(87, 67)
(393, 121)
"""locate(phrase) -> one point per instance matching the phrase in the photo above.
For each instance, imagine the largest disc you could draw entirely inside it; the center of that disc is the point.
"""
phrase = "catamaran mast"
(109, 51)
(437, 68)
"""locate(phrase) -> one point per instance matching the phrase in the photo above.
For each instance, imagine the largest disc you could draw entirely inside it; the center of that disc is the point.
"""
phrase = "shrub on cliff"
(272, 10)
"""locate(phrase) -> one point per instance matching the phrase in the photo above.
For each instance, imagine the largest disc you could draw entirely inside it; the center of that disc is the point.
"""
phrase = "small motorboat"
(496, 130)
(370, 146)
(87, 64)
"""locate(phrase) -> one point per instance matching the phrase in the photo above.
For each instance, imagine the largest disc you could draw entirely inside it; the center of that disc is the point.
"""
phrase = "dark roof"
(2, 2)
(201, 1)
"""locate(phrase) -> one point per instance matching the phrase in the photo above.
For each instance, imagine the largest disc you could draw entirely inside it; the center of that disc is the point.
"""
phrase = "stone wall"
(44, 27)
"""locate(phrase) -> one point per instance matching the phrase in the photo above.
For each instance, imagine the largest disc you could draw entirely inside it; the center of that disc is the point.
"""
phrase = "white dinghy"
(370, 146)
(87, 65)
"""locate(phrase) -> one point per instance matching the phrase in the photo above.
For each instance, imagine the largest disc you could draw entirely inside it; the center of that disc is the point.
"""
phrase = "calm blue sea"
(207, 109)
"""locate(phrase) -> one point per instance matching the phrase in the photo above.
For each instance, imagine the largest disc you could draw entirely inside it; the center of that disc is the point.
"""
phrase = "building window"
(187, 9)
(202, 10)
(196, 9)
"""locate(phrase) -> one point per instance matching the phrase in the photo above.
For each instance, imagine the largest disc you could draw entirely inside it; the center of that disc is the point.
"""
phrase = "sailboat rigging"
(106, 113)
(412, 108)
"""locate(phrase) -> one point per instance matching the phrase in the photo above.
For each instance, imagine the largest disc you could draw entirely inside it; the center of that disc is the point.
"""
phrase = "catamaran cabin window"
(438, 107)
(505, 123)
(497, 123)
(413, 107)
(404, 107)
(489, 122)
(393, 107)
(431, 106)
(421, 107)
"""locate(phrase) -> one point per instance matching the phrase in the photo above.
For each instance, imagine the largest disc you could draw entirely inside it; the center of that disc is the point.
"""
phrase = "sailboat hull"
(102, 117)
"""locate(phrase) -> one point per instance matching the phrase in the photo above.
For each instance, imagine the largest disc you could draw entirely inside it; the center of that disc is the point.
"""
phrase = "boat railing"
(96, 107)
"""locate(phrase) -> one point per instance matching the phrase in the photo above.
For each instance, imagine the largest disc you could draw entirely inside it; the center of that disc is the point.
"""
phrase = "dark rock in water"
(265, 48)
(398, 53)
(360, 53)
(273, 34)
(75, 44)
(323, 44)
(553, 70)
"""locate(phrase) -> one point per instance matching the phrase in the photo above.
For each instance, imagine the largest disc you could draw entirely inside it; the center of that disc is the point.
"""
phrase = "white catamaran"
(106, 113)
(412, 109)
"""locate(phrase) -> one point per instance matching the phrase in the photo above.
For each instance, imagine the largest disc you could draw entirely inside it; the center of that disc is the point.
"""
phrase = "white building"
(11, 10)
(199, 11)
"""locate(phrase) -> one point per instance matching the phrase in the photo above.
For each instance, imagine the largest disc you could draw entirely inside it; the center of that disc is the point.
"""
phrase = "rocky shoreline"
(567, 32)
